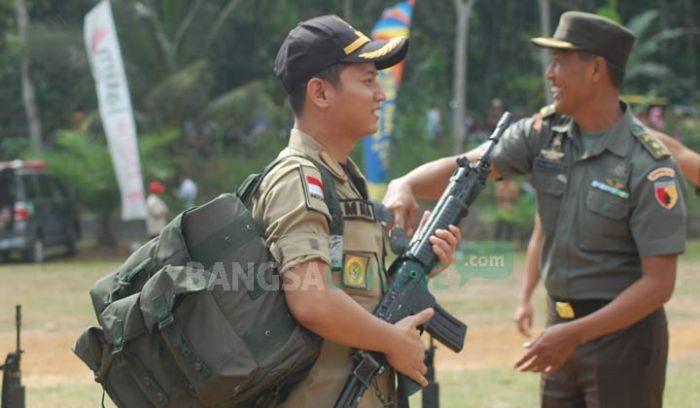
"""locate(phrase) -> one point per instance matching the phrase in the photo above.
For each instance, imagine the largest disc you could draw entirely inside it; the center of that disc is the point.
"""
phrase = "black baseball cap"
(320, 42)
(593, 33)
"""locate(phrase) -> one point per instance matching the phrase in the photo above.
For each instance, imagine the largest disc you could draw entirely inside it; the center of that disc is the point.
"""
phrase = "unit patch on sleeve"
(666, 193)
(665, 189)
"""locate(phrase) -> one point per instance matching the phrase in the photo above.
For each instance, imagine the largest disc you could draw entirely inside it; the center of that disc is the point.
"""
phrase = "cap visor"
(384, 53)
(553, 43)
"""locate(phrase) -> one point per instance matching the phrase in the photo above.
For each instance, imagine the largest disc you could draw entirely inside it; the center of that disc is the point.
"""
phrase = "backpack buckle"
(165, 321)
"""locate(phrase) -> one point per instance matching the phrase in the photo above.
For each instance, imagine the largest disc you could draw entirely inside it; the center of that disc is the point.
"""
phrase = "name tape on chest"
(357, 209)
(614, 190)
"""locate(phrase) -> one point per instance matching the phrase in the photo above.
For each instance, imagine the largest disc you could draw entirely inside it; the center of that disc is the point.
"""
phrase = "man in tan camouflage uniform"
(329, 70)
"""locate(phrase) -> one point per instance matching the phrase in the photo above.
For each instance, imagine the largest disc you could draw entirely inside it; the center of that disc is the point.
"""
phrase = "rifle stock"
(12, 388)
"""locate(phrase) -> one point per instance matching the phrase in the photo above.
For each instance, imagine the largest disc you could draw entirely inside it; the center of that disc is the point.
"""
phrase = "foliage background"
(202, 70)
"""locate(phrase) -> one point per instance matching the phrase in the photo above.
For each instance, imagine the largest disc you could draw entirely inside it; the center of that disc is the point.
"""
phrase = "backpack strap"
(252, 183)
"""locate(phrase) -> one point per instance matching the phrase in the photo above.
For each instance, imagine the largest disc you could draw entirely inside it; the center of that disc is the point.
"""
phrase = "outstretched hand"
(549, 351)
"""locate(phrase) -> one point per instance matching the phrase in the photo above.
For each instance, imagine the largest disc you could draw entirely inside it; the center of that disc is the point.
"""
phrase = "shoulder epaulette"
(547, 111)
(651, 143)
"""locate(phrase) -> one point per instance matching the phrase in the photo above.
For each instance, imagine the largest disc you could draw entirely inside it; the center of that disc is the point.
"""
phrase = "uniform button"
(197, 366)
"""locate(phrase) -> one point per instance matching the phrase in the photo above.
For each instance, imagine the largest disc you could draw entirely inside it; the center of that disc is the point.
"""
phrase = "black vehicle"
(36, 211)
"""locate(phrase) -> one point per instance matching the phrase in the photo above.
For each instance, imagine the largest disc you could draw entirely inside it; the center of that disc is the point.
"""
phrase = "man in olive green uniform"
(613, 218)
(329, 70)
(689, 163)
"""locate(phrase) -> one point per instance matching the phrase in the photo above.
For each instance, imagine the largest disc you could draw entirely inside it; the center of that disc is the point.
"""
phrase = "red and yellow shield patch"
(666, 193)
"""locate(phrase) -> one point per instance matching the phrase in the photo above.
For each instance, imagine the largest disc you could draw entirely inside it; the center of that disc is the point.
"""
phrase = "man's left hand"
(444, 242)
(550, 350)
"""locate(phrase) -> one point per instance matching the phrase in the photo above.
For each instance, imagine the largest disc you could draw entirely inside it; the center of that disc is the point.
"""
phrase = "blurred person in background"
(187, 191)
(157, 211)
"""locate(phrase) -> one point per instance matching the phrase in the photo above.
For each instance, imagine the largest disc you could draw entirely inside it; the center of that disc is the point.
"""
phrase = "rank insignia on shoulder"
(650, 143)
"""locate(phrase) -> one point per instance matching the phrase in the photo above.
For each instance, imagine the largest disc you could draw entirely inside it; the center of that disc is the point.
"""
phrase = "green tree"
(83, 161)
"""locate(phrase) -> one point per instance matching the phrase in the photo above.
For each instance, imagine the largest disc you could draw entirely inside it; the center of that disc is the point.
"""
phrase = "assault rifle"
(12, 388)
(409, 293)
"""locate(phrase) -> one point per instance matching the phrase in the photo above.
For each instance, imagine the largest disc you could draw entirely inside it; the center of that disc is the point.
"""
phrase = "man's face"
(570, 78)
(357, 100)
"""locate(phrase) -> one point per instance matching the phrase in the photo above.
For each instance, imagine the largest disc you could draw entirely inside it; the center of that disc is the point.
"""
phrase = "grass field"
(56, 309)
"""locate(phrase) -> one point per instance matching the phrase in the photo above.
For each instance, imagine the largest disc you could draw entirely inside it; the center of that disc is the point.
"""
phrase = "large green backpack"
(197, 318)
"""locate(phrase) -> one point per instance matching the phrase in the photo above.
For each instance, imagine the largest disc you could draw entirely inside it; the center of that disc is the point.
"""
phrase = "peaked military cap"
(592, 33)
(320, 42)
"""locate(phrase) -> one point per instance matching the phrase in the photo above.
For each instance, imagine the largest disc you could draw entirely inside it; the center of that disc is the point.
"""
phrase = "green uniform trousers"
(624, 369)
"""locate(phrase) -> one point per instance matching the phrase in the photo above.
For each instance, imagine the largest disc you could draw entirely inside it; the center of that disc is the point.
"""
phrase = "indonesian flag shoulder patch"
(665, 189)
(313, 187)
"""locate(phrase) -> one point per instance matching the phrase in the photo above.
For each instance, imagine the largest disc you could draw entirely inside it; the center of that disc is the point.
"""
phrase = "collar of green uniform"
(618, 144)
(308, 145)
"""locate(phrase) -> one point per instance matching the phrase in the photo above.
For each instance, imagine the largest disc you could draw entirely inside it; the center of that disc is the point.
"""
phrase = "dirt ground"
(52, 373)
(51, 363)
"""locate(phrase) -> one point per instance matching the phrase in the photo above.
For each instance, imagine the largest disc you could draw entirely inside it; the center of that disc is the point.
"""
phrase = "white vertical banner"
(115, 107)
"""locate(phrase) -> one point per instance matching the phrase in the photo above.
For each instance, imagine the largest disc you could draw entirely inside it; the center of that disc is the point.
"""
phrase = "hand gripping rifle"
(409, 293)
(12, 388)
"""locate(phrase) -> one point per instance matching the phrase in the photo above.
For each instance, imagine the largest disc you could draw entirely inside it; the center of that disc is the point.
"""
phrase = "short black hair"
(330, 74)
(615, 72)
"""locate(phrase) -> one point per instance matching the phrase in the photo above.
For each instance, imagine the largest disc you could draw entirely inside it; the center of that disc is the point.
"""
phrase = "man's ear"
(317, 92)
(600, 69)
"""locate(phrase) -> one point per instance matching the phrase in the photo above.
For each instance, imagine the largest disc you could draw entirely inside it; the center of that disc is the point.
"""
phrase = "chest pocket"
(550, 187)
(604, 222)
(362, 276)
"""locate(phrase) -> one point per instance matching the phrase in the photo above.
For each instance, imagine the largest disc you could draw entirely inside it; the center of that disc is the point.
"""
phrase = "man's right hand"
(399, 199)
(407, 355)
(523, 318)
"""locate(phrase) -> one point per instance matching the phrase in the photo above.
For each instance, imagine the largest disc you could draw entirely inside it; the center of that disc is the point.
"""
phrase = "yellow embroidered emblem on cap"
(353, 46)
(387, 48)
(564, 310)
